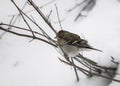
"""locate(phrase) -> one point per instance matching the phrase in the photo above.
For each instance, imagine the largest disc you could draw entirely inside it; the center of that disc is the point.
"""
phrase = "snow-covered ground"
(24, 63)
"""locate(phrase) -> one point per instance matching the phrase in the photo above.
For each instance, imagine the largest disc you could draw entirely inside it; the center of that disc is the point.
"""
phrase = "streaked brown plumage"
(72, 43)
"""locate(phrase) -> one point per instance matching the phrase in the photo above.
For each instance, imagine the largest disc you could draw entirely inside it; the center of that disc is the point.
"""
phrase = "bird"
(71, 44)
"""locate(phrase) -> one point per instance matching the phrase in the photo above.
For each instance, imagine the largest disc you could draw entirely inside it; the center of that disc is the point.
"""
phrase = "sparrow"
(71, 44)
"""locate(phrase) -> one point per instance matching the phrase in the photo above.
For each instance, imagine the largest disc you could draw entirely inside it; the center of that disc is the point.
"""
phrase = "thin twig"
(16, 18)
(85, 7)
(58, 16)
(49, 15)
(79, 68)
(28, 11)
(22, 10)
(23, 18)
(25, 29)
(76, 6)
(113, 60)
(32, 18)
(86, 59)
(48, 37)
(81, 62)
(95, 67)
(88, 65)
(28, 36)
(8, 27)
(42, 15)
(111, 75)
(75, 70)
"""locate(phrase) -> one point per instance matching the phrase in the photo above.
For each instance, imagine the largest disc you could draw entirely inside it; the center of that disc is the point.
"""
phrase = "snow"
(24, 63)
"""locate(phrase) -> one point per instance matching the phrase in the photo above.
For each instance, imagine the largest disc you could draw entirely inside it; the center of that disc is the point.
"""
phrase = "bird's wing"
(83, 44)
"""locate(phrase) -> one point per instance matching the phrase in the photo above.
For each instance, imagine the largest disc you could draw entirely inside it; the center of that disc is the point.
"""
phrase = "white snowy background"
(24, 63)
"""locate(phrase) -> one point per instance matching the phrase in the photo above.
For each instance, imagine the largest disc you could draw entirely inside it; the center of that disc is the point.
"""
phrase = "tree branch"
(28, 36)
(42, 15)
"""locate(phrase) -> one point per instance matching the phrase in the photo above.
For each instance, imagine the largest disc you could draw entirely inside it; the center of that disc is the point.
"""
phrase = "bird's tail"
(84, 44)
(93, 49)
(87, 46)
